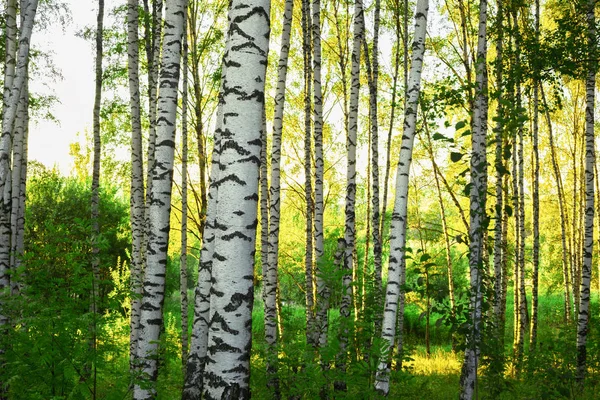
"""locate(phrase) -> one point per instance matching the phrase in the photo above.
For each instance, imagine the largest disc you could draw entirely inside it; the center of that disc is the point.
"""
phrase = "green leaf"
(455, 156)
(425, 257)
(508, 209)
(459, 125)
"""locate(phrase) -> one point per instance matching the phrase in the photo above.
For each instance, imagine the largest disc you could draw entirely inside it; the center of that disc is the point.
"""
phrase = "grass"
(547, 375)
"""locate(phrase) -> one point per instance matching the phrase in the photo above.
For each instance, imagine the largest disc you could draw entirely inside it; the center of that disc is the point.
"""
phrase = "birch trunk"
(373, 74)
(151, 317)
(17, 208)
(397, 265)
(153, 46)
(521, 199)
(447, 244)
(388, 162)
(95, 206)
(584, 303)
(500, 169)
(197, 355)
(536, 195)
(350, 223)
(311, 338)
(9, 114)
(183, 278)
(478, 168)
(227, 371)
(563, 217)
(137, 207)
(9, 73)
(270, 286)
(322, 289)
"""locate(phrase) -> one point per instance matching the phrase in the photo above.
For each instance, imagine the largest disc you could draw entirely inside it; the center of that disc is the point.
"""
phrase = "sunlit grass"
(439, 362)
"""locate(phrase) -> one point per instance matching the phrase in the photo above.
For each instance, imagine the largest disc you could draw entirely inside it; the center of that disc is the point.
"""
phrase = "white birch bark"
(322, 289)
(478, 168)
(350, 223)
(19, 161)
(311, 332)
(194, 378)
(586, 270)
(536, 195)
(500, 169)
(137, 206)
(160, 202)
(270, 285)
(11, 100)
(183, 278)
(227, 370)
(10, 17)
(397, 264)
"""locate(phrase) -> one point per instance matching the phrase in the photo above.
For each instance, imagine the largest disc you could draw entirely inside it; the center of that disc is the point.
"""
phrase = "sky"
(73, 56)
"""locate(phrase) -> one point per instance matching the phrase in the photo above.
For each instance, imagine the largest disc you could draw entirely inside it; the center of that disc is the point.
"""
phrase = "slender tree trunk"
(563, 214)
(10, 17)
(153, 40)
(96, 193)
(447, 244)
(520, 198)
(19, 160)
(584, 305)
(311, 338)
(373, 74)
(468, 379)
(388, 162)
(500, 172)
(272, 354)
(227, 374)
(12, 96)
(271, 281)
(397, 266)
(183, 278)
(575, 281)
(137, 206)
(151, 318)
(536, 195)
(518, 238)
(322, 289)
(197, 355)
(350, 223)
(196, 46)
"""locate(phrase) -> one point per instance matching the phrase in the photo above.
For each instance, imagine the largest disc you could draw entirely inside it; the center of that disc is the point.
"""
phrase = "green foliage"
(48, 347)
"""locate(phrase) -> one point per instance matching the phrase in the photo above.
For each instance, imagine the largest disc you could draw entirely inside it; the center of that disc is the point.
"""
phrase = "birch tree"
(397, 262)
(183, 279)
(137, 207)
(350, 212)
(197, 355)
(308, 192)
(14, 84)
(586, 273)
(227, 370)
(270, 284)
(151, 317)
(322, 289)
(477, 199)
(536, 193)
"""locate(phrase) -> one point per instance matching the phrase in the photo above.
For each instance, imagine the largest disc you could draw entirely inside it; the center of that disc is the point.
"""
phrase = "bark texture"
(477, 199)
(151, 317)
(137, 206)
(227, 372)
(586, 270)
(397, 262)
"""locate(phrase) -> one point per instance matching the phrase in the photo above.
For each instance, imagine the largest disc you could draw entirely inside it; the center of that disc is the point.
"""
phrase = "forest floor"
(546, 374)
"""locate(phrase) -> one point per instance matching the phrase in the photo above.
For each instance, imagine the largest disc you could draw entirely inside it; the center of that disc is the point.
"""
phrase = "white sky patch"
(74, 58)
